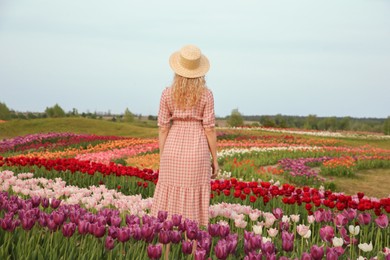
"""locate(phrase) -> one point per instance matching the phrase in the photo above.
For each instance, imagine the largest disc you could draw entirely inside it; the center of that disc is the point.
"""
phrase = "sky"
(324, 58)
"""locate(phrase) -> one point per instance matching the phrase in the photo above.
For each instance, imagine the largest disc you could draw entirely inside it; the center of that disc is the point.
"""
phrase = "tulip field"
(81, 196)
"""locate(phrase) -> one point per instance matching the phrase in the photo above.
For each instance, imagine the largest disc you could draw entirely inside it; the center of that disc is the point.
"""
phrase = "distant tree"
(74, 112)
(344, 123)
(280, 121)
(31, 115)
(327, 123)
(22, 116)
(55, 111)
(235, 118)
(128, 116)
(386, 127)
(311, 122)
(152, 118)
(5, 113)
(267, 121)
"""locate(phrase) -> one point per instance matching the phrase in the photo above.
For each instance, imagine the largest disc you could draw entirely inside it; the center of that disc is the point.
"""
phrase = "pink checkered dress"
(184, 180)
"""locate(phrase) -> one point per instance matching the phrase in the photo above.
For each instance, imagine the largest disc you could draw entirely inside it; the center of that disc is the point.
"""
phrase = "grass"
(374, 183)
(78, 125)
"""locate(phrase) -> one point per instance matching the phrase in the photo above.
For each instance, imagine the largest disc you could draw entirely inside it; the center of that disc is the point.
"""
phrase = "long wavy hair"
(187, 91)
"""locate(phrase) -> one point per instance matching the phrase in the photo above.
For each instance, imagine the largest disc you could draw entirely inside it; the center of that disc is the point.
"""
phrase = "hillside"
(75, 125)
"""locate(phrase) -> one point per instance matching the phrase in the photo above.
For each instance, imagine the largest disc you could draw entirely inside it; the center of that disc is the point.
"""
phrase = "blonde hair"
(187, 92)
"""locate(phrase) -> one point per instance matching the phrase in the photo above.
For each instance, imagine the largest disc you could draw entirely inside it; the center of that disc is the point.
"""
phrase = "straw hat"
(189, 62)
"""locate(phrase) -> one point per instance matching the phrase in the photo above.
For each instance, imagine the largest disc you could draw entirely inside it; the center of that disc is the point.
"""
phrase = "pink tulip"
(327, 233)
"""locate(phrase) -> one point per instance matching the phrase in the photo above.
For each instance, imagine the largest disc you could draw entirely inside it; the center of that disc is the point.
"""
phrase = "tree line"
(57, 111)
(311, 122)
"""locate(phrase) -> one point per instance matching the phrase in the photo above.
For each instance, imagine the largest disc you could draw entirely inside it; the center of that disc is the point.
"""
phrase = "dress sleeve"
(164, 115)
(208, 113)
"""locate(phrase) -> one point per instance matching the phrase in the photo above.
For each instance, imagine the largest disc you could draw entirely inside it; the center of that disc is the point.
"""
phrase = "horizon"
(106, 113)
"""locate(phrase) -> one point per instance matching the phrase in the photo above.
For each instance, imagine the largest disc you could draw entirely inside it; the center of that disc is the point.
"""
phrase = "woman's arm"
(212, 141)
(162, 136)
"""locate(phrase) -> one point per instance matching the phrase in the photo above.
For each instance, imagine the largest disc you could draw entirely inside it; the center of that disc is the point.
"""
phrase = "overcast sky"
(328, 58)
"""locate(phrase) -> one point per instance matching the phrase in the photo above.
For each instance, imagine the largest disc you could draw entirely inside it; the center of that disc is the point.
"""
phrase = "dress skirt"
(183, 185)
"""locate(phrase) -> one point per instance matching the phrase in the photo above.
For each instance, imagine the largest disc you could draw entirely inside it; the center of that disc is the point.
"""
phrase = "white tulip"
(337, 241)
(294, 218)
(272, 232)
(257, 229)
(308, 234)
(365, 247)
(266, 239)
(354, 230)
(285, 219)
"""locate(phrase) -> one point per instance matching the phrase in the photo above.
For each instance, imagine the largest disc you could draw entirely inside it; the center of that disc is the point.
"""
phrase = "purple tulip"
(327, 233)
(319, 216)
(317, 252)
(186, 247)
(340, 220)
(132, 220)
(364, 218)
(176, 219)
(137, 232)
(51, 224)
(162, 215)
(168, 225)
(164, 237)
(6, 224)
(284, 226)
(382, 221)
(350, 213)
(157, 227)
(113, 232)
(147, 233)
(232, 241)
(58, 217)
(255, 242)
(109, 243)
(101, 220)
(331, 253)
(200, 254)
(253, 256)
(68, 229)
(154, 251)
(205, 243)
(146, 219)
(328, 216)
(176, 236)
(278, 213)
(123, 234)
(306, 256)
(221, 249)
(83, 227)
(27, 223)
(45, 202)
(42, 221)
(268, 248)
(192, 232)
(55, 203)
(99, 231)
(224, 230)
(35, 200)
(115, 221)
(283, 258)
(213, 230)
(270, 256)
(287, 241)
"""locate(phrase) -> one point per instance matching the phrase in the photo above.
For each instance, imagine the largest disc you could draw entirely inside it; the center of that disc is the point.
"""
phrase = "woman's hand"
(215, 170)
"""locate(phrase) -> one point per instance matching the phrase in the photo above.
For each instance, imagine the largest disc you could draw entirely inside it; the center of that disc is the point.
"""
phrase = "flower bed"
(53, 205)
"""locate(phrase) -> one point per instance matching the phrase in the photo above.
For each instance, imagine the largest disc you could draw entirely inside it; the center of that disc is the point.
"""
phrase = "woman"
(187, 137)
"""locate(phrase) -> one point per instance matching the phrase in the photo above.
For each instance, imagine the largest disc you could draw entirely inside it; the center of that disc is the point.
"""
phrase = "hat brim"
(204, 66)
